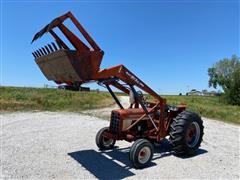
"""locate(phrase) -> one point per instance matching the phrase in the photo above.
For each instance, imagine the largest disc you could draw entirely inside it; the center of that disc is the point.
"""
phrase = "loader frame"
(108, 77)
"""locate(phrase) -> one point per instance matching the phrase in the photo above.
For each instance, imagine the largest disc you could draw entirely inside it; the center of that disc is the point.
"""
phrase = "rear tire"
(186, 133)
(141, 153)
(102, 142)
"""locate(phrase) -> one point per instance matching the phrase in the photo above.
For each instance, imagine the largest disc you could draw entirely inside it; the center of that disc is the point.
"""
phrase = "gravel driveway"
(47, 145)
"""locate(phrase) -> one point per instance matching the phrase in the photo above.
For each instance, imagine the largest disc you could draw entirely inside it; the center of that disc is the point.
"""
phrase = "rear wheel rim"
(193, 134)
(144, 155)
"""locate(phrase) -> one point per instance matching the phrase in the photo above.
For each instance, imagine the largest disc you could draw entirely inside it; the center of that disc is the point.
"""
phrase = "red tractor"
(144, 122)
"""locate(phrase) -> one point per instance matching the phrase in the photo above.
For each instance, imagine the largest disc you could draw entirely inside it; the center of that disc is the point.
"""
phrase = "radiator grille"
(115, 122)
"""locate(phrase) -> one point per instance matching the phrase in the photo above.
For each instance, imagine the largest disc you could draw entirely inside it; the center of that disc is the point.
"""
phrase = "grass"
(28, 99)
(210, 107)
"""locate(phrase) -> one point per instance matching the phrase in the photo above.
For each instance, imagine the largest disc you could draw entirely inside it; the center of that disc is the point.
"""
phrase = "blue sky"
(168, 44)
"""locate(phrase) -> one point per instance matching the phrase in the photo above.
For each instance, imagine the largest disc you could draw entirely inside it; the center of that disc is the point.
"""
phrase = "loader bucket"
(61, 64)
(69, 65)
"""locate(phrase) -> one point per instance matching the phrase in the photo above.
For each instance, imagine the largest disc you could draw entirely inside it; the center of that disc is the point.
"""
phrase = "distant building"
(209, 93)
(73, 87)
(194, 92)
(204, 92)
(213, 93)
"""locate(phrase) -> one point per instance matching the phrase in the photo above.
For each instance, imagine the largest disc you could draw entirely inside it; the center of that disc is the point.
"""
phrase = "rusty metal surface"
(132, 113)
(68, 65)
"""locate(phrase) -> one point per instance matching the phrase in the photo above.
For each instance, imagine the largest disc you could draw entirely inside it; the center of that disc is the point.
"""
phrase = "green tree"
(226, 74)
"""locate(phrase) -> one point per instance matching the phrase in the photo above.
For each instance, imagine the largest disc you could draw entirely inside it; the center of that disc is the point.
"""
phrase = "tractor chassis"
(158, 128)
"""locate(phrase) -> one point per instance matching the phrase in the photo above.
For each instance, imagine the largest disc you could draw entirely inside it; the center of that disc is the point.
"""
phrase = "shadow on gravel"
(199, 152)
(102, 164)
(115, 163)
(164, 149)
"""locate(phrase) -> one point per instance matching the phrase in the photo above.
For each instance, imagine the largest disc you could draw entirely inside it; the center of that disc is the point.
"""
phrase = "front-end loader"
(143, 122)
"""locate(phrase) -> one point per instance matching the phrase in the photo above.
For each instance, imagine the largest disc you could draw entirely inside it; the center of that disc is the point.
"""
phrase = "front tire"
(186, 133)
(104, 143)
(141, 153)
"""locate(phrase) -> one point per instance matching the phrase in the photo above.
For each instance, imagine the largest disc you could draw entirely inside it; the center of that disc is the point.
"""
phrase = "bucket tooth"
(41, 52)
(34, 55)
(47, 49)
(44, 51)
(54, 46)
(50, 47)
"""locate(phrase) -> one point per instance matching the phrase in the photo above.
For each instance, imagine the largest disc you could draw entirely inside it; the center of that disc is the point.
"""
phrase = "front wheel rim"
(107, 142)
(144, 155)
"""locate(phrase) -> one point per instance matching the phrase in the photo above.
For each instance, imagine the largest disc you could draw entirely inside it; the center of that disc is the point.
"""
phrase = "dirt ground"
(47, 145)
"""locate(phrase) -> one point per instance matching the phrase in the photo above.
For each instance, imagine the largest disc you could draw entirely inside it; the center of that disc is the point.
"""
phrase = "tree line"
(225, 73)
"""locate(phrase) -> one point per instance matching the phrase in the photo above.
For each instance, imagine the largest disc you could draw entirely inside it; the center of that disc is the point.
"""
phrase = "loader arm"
(128, 77)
